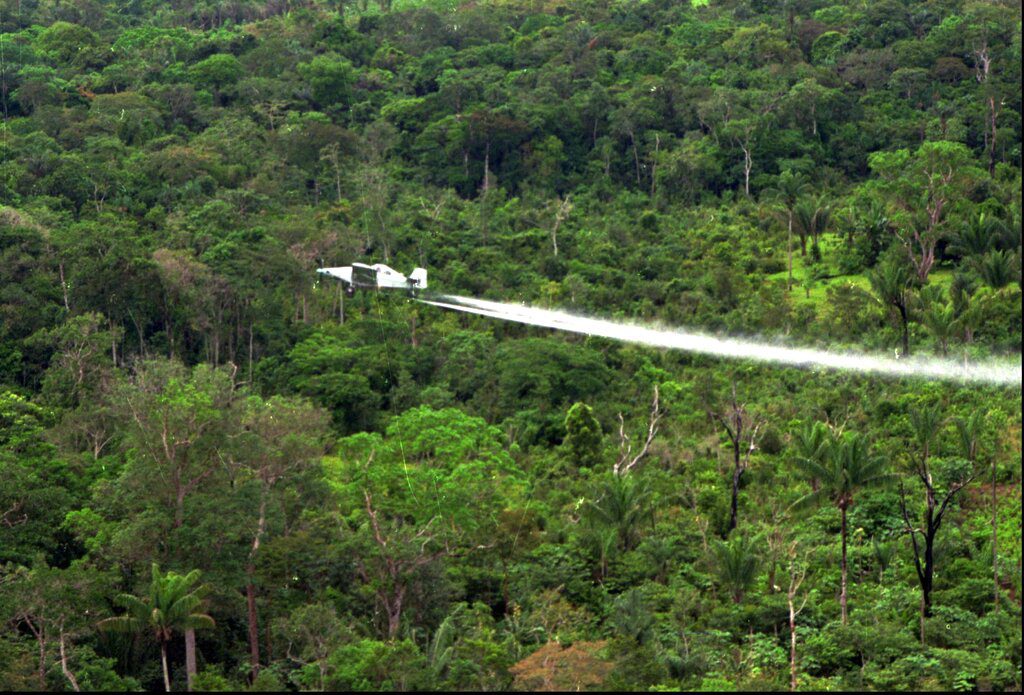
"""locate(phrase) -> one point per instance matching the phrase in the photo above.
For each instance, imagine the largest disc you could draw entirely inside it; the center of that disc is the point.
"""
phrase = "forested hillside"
(217, 471)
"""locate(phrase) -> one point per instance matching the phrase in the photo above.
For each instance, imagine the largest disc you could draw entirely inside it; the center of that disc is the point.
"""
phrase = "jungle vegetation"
(218, 472)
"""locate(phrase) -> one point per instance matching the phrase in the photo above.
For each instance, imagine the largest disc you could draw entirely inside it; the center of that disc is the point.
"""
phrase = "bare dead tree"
(797, 574)
(742, 428)
(983, 66)
(562, 209)
(626, 462)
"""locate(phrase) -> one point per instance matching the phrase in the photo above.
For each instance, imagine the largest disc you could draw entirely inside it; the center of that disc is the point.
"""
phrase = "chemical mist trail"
(991, 372)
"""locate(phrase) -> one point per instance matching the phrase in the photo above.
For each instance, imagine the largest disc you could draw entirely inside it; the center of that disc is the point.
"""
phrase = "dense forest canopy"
(217, 471)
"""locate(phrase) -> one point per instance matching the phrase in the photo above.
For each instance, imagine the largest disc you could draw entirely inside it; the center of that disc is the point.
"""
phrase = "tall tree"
(926, 423)
(891, 281)
(175, 421)
(812, 217)
(170, 606)
(922, 188)
(970, 430)
(430, 489)
(797, 574)
(846, 467)
(789, 188)
(281, 438)
(742, 428)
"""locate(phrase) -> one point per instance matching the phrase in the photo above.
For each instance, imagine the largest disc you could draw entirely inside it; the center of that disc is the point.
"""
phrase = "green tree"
(281, 439)
(36, 484)
(926, 423)
(56, 606)
(583, 435)
(997, 268)
(940, 320)
(330, 78)
(432, 487)
(790, 187)
(171, 606)
(923, 187)
(217, 72)
(622, 503)
(736, 564)
(840, 468)
(812, 217)
(175, 421)
(891, 281)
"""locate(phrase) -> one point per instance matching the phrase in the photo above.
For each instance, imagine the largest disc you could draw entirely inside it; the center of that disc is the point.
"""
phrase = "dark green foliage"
(380, 494)
(583, 435)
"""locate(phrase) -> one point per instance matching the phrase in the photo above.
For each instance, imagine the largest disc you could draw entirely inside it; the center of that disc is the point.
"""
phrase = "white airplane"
(376, 276)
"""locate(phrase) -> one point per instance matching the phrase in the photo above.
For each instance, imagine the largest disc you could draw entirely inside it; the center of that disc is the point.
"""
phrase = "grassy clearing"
(806, 290)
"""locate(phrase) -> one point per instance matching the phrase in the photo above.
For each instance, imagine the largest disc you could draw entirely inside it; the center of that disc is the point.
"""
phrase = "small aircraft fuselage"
(377, 276)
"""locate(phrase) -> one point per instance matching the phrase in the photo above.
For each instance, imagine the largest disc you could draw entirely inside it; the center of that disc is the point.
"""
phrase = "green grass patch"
(817, 291)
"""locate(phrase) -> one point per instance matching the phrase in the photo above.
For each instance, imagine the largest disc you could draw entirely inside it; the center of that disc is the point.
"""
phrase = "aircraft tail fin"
(419, 278)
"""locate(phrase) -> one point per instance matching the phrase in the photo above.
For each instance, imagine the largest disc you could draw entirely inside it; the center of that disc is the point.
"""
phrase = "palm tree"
(940, 320)
(631, 618)
(848, 467)
(971, 429)
(891, 281)
(813, 442)
(170, 607)
(789, 188)
(736, 564)
(812, 217)
(976, 236)
(997, 269)
(623, 505)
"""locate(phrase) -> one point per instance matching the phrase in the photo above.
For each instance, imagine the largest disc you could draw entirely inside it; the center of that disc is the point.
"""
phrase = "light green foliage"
(36, 485)
(71, 44)
(217, 72)
(330, 80)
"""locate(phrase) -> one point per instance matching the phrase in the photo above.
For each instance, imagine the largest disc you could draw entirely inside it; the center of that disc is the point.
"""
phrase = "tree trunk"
(995, 548)
(167, 674)
(906, 330)
(254, 635)
(792, 645)
(926, 580)
(736, 474)
(993, 113)
(64, 286)
(179, 508)
(789, 252)
(842, 566)
(394, 609)
(250, 589)
(40, 635)
(654, 164)
(250, 352)
(636, 157)
(190, 656)
(748, 165)
(64, 666)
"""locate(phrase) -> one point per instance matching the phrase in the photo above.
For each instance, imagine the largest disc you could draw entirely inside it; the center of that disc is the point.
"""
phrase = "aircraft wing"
(343, 273)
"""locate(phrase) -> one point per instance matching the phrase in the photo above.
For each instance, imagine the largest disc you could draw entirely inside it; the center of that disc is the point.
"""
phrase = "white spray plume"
(991, 372)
